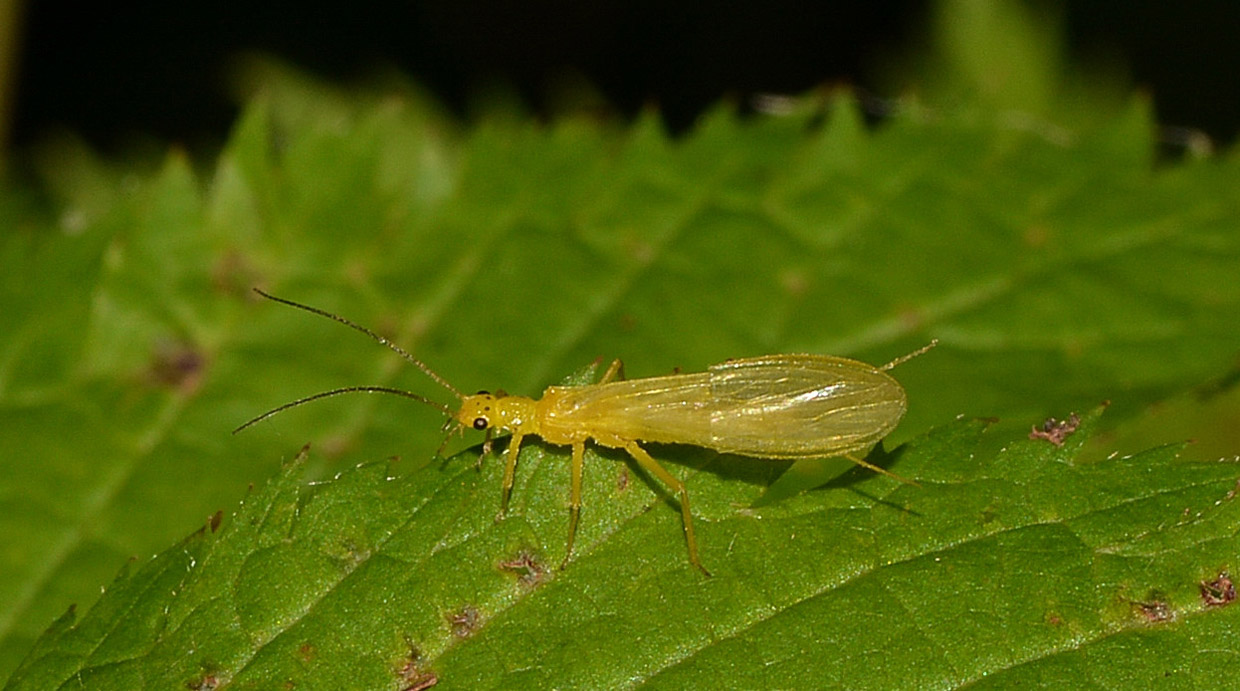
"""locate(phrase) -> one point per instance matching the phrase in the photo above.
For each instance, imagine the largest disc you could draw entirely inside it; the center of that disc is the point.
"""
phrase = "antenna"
(348, 389)
(399, 351)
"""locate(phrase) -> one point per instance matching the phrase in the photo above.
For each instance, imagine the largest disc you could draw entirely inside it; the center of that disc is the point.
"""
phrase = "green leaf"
(1057, 265)
(1019, 568)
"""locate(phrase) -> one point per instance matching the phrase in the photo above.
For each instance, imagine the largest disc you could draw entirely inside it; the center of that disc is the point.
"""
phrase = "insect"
(773, 406)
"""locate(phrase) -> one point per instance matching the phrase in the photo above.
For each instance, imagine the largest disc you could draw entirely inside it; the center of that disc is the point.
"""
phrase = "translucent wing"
(776, 406)
(802, 406)
(675, 409)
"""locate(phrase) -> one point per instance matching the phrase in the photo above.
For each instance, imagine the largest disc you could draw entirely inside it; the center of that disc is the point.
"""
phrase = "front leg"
(486, 450)
(510, 471)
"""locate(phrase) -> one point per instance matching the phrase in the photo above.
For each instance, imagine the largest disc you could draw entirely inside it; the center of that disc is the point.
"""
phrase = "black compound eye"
(480, 423)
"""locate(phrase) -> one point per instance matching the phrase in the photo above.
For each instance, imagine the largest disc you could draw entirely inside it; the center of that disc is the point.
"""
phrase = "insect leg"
(574, 506)
(614, 371)
(652, 466)
(486, 449)
(866, 464)
(510, 471)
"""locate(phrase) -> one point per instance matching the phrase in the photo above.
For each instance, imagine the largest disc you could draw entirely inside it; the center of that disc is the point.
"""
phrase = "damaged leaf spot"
(530, 571)
(1154, 610)
(1056, 431)
(412, 675)
(209, 682)
(465, 622)
(1219, 592)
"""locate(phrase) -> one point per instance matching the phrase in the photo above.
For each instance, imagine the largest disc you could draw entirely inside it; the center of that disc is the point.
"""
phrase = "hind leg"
(574, 507)
(652, 466)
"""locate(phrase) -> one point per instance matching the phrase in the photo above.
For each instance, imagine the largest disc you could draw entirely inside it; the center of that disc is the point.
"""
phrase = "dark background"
(115, 71)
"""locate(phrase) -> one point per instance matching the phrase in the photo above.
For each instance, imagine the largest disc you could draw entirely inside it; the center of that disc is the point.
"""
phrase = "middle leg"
(614, 372)
(574, 507)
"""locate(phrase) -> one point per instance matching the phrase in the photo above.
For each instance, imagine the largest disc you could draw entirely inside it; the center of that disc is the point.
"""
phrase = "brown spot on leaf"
(412, 673)
(427, 680)
(530, 571)
(1056, 431)
(1154, 610)
(465, 621)
(1231, 494)
(1219, 592)
(178, 366)
(209, 682)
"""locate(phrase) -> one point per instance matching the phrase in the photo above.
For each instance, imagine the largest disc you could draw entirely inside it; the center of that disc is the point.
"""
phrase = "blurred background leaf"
(1032, 234)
